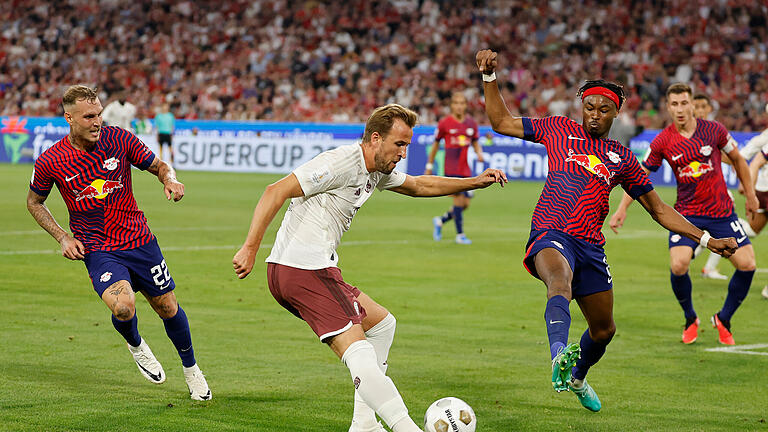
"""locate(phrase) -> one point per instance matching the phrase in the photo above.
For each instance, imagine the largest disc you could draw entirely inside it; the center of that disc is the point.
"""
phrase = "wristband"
(704, 239)
(489, 78)
(429, 166)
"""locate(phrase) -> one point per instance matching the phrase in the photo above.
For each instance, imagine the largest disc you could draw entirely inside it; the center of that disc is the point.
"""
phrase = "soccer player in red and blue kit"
(565, 247)
(692, 148)
(457, 130)
(91, 167)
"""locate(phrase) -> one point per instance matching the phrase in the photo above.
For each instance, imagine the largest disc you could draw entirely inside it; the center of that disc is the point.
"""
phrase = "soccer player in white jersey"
(302, 270)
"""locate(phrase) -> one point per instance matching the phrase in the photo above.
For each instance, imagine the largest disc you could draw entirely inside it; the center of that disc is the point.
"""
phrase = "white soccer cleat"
(707, 273)
(147, 363)
(198, 387)
(765, 292)
(378, 427)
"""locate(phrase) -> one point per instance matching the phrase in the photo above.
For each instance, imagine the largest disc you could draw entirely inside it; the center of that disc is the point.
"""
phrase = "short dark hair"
(77, 92)
(679, 88)
(703, 96)
(617, 89)
(383, 117)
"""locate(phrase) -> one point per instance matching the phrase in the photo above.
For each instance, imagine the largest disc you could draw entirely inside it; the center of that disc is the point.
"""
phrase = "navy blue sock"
(681, 286)
(177, 329)
(458, 219)
(591, 352)
(738, 288)
(128, 329)
(447, 216)
(557, 317)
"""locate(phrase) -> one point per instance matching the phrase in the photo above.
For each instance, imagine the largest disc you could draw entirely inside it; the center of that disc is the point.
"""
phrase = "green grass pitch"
(470, 324)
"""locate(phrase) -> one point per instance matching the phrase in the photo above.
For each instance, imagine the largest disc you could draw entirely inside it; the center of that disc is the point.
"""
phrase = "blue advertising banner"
(281, 147)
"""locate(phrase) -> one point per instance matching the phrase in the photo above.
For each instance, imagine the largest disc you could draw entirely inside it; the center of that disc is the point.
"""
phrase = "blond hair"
(383, 117)
(78, 92)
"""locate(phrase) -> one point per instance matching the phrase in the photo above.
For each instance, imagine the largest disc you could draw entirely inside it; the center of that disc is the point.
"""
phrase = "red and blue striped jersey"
(96, 186)
(695, 161)
(458, 136)
(582, 172)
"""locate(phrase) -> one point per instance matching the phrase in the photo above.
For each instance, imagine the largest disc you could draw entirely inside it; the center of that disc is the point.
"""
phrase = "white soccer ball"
(450, 414)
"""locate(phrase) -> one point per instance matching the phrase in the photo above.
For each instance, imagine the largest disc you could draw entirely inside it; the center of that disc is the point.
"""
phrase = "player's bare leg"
(177, 329)
(679, 263)
(120, 299)
(738, 287)
(554, 271)
(374, 388)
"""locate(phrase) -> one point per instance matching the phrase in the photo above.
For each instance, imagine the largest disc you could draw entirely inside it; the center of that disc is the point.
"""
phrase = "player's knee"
(746, 266)
(603, 335)
(167, 309)
(678, 267)
(124, 311)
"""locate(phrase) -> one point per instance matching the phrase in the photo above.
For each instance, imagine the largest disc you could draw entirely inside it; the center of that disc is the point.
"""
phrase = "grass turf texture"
(470, 324)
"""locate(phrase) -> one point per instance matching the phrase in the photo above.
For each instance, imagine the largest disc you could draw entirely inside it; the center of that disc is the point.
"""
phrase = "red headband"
(603, 92)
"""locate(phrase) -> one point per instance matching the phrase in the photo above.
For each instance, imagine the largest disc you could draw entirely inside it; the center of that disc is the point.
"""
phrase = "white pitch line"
(741, 349)
(212, 247)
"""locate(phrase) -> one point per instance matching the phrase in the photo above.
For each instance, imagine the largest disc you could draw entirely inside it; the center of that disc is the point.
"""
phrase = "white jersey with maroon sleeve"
(335, 185)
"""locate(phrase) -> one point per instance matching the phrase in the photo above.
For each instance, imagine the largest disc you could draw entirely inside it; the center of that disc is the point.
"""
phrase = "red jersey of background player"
(458, 137)
(96, 186)
(701, 189)
(582, 172)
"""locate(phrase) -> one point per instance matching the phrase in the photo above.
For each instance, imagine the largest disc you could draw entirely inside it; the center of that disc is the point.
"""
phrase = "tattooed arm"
(70, 247)
(167, 176)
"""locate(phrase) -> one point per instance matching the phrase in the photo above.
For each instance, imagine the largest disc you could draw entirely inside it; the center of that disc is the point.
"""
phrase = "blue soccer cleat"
(462, 239)
(437, 228)
(586, 395)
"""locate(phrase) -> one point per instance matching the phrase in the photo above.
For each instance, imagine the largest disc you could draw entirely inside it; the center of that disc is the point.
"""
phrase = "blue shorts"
(143, 267)
(591, 272)
(717, 228)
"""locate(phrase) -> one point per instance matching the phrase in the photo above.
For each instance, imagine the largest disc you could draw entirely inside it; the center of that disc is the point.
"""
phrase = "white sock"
(577, 383)
(712, 261)
(375, 388)
(380, 336)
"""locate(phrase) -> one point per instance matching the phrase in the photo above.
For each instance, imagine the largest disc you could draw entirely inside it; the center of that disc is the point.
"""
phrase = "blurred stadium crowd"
(334, 61)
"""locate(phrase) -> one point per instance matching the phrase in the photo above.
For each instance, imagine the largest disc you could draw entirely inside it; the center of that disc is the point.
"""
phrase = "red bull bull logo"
(695, 169)
(592, 164)
(99, 189)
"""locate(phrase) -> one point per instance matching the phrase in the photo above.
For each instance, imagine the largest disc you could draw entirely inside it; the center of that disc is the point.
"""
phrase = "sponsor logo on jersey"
(695, 169)
(111, 164)
(98, 189)
(592, 164)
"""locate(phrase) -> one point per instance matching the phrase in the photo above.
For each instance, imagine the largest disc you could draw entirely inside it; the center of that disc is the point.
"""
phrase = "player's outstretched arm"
(167, 176)
(670, 219)
(746, 179)
(71, 247)
(269, 204)
(501, 119)
(620, 215)
(431, 186)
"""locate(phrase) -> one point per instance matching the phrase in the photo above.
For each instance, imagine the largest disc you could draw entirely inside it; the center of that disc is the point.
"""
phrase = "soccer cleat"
(725, 335)
(586, 395)
(765, 292)
(437, 228)
(147, 363)
(375, 428)
(198, 387)
(562, 364)
(691, 332)
(462, 239)
(708, 273)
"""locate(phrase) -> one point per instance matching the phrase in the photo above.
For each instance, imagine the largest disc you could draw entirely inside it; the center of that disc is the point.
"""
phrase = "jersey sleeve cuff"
(637, 191)
(146, 162)
(528, 133)
(652, 168)
(39, 191)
